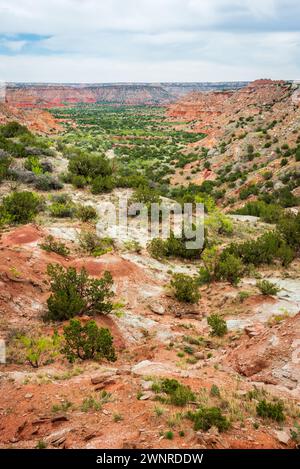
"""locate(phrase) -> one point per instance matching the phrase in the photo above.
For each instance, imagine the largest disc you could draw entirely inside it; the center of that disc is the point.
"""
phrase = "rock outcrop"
(35, 119)
(272, 357)
(52, 95)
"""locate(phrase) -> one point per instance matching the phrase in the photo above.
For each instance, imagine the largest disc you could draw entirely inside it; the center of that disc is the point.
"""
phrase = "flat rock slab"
(147, 367)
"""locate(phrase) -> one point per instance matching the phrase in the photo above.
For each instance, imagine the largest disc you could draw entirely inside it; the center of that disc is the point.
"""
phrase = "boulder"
(157, 308)
(283, 436)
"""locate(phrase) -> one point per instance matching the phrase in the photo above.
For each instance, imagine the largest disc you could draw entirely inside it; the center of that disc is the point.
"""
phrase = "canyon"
(199, 142)
(52, 95)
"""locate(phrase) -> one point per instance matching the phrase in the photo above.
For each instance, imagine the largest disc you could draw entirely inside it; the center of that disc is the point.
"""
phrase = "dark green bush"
(79, 181)
(270, 213)
(247, 191)
(267, 288)
(145, 195)
(205, 418)
(157, 248)
(217, 324)
(5, 163)
(63, 210)
(230, 268)
(174, 247)
(86, 213)
(76, 293)
(20, 207)
(89, 166)
(102, 184)
(267, 410)
(289, 228)
(178, 394)
(46, 182)
(185, 288)
(87, 342)
(13, 129)
(264, 250)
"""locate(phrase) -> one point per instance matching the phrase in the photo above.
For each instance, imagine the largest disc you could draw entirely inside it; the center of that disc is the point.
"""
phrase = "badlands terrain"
(205, 345)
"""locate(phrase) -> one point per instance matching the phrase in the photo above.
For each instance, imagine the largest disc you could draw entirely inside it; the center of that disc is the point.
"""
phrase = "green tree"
(87, 342)
(76, 293)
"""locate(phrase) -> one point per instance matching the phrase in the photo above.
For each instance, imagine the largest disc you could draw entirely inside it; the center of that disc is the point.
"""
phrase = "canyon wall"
(52, 95)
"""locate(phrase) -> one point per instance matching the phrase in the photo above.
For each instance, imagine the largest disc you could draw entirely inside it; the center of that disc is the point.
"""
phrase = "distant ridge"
(56, 94)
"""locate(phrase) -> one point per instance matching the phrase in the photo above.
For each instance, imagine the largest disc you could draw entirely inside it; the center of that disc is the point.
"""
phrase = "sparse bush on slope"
(87, 342)
(75, 293)
(19, 207)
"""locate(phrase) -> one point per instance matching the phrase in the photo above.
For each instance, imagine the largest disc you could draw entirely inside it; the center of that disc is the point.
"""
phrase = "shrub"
(102, 184)
(13, 129)
(91, 403)
(283, 162)
(289, 228)
(267, 288)
(270, 213)
(210, 258)
(185, 288)
(247, 191)
(76, 293)
(36, 350)
(91, 243)
(243, 296)
(89, 166)
(220, 222)
(267, 175)
(86, 213)
(41, 444)
(87, 342)
(133, 246)
(50, 245)
(229, 268)
(79, 181)
(32, 163)
(205, 418)
(267, 410)
(178, 394)
(145, 195)
(174, 247)
(264, 250)
(62, 210)
(5, 163)
(157, 248)
(20, 207)
(46, 182)
(217, 324)
(214, 391)
(283, 197)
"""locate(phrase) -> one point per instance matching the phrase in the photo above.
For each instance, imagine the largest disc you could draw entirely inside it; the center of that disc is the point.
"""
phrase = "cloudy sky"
(149, 40)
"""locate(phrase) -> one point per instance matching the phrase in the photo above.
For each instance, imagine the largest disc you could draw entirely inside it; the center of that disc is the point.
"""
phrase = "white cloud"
(92, 69)
(195, 39)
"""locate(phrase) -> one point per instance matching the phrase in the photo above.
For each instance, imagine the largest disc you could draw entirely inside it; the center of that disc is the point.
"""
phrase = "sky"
(148, 40)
